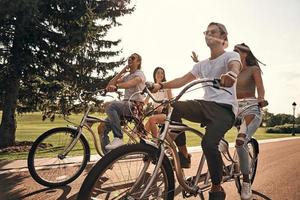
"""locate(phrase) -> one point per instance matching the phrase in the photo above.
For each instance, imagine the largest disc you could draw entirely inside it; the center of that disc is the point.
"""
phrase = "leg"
(190, 110)
(221, 120)
(249, 125)
(215, 131)
(195, 111)
(114, 111)
(151, 124)
(103, 131)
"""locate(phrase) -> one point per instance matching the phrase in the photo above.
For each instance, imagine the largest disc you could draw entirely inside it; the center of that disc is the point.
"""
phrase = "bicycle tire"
(253, 153)
(47, 167)
(118, 164)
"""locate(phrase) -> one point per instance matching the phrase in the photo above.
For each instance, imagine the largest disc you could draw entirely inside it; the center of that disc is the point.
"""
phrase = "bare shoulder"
(255, 69)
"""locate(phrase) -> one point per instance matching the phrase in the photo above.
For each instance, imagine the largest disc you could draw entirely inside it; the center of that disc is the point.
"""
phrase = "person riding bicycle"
(250, 116)
(249, 113)
(218, 108)
(160, 114)
(132, 79)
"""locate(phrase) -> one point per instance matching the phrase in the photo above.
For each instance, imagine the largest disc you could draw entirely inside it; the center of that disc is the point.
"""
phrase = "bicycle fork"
(71, 145)
(155, 172)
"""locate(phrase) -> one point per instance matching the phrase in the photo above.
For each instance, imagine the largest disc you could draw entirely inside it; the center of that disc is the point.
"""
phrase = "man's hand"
(155, 88)
(228, 79)
(111, 88)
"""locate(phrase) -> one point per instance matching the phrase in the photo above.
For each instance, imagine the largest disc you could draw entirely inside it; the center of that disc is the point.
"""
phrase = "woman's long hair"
(139, 59)
(251, 60)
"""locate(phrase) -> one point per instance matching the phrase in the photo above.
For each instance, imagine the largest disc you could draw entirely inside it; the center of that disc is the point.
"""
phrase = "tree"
(52, 49)
(266, 116)
(279, 119)
(297, 120)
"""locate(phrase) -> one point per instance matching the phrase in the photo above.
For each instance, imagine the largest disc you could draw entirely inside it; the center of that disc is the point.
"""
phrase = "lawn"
(30, 126)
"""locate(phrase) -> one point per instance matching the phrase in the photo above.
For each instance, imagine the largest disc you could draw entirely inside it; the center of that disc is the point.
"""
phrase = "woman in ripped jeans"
(249, 112)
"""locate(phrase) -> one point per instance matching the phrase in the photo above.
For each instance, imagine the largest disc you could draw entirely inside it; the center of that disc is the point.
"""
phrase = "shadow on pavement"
(9, 183)
(66, 191)
(262, 196)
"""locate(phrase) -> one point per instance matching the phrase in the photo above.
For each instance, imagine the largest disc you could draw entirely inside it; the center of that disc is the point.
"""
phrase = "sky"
(165, 32)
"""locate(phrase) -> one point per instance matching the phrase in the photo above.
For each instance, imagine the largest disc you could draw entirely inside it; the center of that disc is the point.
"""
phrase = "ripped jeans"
(247, 107)
(115, 111)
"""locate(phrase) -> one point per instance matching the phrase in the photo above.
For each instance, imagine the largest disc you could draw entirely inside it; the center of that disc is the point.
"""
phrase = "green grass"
(30, 126)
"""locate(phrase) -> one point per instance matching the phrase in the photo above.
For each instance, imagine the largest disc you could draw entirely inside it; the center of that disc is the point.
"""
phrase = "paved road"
(278, 178)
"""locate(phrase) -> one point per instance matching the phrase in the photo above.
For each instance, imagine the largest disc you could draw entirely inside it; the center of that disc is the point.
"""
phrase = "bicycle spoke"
(128, 177)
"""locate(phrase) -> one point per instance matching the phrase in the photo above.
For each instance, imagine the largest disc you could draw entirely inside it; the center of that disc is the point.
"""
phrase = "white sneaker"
(246, 193)
(114, 144)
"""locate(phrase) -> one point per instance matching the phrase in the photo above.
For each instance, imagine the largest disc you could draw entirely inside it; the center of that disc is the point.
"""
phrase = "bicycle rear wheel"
(46, 163)
(124, 173)
(253, 159)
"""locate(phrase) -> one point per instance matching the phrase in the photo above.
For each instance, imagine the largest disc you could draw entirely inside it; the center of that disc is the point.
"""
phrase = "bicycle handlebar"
(215, 84)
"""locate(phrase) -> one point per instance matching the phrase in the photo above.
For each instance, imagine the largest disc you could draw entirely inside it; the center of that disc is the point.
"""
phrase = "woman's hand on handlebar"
(262, 102)
(111, 88)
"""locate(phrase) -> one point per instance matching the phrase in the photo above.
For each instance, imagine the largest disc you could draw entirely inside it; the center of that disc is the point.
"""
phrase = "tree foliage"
(52, 49)
(271, 120)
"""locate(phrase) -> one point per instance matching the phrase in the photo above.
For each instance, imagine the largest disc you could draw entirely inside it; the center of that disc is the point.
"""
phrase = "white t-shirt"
(138, 87)
(214, 69)
(160, 95)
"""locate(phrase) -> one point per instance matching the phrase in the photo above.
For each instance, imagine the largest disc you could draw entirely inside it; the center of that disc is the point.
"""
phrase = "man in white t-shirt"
(216, 110)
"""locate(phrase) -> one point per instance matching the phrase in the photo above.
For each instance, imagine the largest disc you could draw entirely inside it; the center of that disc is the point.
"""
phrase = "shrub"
(286, 128)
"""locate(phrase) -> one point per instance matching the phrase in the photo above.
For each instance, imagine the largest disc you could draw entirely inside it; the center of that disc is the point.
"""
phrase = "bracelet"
(161, 85)
(232, 74)
(117, 86)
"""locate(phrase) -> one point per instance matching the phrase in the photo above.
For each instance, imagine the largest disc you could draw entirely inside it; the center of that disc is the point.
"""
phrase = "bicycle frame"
(191, 188)
(84, 123)
(165, 139)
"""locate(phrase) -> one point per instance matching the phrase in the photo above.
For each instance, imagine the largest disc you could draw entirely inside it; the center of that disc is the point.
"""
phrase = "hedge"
(286, 128)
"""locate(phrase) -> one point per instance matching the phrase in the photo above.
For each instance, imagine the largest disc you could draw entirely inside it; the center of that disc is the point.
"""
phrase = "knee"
(239, 142)
(176, 114)
(241, 137)
(105, 105)
(152, 120)
(208, 145)
(109, 108)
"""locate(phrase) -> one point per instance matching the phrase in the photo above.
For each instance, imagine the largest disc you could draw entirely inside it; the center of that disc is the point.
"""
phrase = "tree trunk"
(12, 85)
(8, 122)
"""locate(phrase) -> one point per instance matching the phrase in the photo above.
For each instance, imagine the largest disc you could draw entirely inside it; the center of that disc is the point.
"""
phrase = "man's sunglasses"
(132, 58)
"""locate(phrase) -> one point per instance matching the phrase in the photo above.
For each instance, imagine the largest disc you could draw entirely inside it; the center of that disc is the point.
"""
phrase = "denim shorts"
(249, 107)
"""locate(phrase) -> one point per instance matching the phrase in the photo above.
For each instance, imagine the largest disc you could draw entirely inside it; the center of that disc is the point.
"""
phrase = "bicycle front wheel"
(125, 172)
(253, 159)
(48, 162)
